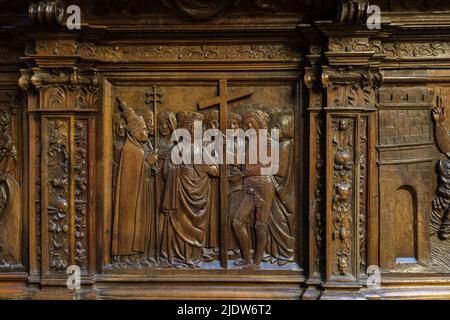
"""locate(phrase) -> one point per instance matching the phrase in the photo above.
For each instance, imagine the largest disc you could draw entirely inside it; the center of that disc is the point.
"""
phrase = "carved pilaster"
(316, 187)
(62, 103)
(351, 82)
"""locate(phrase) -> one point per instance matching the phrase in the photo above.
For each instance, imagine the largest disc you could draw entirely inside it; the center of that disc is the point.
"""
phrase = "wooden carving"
(133, 217)
(169, 214)
(441, 202)
(58, 194)
(10, 195)
(342, 196)
(90, 169)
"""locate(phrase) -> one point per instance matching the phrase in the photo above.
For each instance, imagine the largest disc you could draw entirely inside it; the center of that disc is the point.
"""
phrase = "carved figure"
(281, 225)
(259, 192)
(213, 234)
(442, 202)
(132, 210)
(185, 205)
(10, 202)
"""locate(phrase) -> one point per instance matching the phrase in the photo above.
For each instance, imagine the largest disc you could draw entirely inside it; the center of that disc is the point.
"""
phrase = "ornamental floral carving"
(165, 52)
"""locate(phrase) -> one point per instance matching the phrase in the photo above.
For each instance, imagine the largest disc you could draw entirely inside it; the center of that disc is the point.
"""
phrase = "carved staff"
(222, 101)
(153, 98)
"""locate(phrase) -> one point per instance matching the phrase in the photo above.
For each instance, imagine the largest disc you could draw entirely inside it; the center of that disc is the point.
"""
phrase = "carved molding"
(167, 53)
(64, 88)
(352, 12)
(47, 12)
(412, 49)
(349, 88)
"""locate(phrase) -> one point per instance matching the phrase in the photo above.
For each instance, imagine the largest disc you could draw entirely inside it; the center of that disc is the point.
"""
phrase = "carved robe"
(185, 204)
(132, 209)
(281, 223)
(10, 206)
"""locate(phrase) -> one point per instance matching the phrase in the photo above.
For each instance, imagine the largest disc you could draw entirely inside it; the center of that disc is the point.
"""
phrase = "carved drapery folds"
(10, 187)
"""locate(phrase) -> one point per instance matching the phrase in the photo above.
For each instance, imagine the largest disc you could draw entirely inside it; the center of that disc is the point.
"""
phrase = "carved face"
(150, 123)
(119, 126)
(140, 134)
(233, 124)
(342, 125)
(214, 124)
(251, 123)
(286, 127)
(164, 128)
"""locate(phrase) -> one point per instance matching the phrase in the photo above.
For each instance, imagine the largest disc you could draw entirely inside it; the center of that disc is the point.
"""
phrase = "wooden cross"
(222, 101)
(154, 98)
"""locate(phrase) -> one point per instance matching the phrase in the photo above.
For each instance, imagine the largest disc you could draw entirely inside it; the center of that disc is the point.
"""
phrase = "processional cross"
(152, 98)
(222, 101)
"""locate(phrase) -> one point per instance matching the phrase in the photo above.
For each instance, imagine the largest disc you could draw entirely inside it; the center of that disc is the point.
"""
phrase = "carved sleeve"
(442, 139)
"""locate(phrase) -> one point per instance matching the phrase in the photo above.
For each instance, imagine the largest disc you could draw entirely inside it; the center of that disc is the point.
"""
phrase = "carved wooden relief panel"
(187, 225)
(108, 137)
(11, 218)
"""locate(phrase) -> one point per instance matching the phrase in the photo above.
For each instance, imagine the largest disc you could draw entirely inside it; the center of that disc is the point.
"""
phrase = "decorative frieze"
(167, 52)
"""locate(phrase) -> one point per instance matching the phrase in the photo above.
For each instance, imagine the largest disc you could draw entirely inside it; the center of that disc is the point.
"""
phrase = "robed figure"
(10, 200)
(133, 210)
(281, 244)
(185, 205)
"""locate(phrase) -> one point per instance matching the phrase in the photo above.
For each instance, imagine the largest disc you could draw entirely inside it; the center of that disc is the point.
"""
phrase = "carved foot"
(241, 262)
(246, 264)
(282, 262)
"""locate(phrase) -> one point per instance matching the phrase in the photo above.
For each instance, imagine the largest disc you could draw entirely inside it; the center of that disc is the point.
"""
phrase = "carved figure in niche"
(341, 136)
(441, 204)
(150, 254)
(120, 134)
(213, 234)
(185, 205)
(259, 193)
(132, 206)
(167, 123)
(235, 174)
(281, 224)
(10, 202)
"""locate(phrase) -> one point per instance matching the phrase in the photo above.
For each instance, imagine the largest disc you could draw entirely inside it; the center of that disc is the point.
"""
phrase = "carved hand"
(439, 111)
(151, 159)
(202, 167)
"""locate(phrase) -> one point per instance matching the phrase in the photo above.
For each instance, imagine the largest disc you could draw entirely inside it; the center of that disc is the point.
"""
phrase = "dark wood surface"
(86, 177)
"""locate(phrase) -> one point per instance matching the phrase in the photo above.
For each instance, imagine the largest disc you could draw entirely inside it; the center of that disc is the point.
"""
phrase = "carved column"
(62, 103)
(316, 187)
(351, 81)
